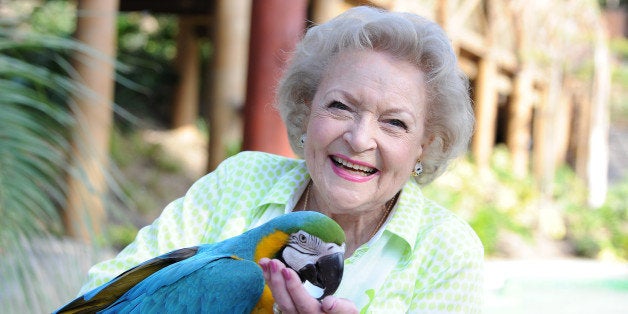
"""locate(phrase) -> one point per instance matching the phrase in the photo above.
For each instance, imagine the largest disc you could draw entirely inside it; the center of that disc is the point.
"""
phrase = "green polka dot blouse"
(423, 260)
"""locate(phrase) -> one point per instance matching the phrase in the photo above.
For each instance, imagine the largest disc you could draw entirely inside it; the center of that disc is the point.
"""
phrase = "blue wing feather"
(204, 275)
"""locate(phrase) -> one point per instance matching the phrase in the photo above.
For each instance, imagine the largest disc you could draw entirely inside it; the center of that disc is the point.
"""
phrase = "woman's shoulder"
(249, 168)
(452, 225)
(252, 160)
(237, 190)
(435, 222)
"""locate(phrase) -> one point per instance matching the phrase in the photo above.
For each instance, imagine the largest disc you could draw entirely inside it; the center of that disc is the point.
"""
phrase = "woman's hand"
(290, 295)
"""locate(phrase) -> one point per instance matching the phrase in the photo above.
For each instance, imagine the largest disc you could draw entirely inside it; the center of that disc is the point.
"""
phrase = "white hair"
(449, 118)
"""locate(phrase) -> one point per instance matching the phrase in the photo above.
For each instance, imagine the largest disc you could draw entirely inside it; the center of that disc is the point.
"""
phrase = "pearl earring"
(418, 169)
(302, 141)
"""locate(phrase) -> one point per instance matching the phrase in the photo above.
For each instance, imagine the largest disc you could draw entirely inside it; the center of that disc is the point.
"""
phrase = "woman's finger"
(264, 264)
(304, 303)
(333, 305)
(290, 295)
(275, 280)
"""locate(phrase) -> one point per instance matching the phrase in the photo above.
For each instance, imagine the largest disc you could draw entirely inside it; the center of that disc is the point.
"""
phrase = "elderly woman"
(375, 105)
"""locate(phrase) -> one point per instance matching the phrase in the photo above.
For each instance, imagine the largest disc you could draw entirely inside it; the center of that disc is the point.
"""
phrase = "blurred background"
(110, 109)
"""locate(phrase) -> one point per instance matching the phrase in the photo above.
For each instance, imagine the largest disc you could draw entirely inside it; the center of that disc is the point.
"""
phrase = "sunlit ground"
(556, 286)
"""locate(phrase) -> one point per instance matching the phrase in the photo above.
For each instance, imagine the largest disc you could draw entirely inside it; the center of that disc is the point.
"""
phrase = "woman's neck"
(359, 227)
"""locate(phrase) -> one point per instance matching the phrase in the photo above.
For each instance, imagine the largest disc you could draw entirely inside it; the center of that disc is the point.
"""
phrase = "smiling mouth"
(353, 168)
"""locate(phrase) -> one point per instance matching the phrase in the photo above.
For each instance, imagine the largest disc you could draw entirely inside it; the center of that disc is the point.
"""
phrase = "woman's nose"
(361, 135)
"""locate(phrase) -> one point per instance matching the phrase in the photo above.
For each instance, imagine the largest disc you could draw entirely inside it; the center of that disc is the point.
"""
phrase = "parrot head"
(315, 249)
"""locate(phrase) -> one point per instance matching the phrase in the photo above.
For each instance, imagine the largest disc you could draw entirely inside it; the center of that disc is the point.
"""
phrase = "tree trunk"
(85, 212)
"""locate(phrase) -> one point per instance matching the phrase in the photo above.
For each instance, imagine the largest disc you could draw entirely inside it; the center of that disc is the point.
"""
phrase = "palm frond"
(37, 83)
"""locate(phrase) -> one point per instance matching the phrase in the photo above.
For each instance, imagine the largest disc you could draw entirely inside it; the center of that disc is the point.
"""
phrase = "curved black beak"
(325, 274)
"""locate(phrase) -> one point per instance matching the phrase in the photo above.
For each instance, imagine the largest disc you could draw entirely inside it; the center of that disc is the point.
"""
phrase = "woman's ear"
(427, 141)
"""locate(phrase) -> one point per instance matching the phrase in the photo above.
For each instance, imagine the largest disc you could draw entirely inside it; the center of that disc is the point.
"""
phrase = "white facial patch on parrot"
(312, 290)
(304, 248)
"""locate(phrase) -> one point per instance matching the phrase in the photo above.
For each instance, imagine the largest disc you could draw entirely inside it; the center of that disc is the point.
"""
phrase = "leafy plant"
(494, 202)
(34, 143)
(147, 46)
(601, 232)
(36, 121)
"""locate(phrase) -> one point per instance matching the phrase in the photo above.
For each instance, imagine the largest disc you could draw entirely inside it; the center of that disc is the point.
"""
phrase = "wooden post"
(597, 168)
(84, 215)
(276, 27)
(518, 134)
(547, 140)
(486, 98)
(486, 94)
(581, 130)
(544, 134)
(442, 13)
(186, 97)
(325, 10)
(562, 126)
(227, 85)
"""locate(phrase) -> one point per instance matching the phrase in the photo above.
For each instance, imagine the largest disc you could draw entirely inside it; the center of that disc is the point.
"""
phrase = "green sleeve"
(452, 280)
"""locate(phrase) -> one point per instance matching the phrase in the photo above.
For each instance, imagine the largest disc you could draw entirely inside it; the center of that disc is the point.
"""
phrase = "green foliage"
(151, 177)
(619, 48)
(602, 231)
(147, 47)
(497, 203)
(121, 235)
(144, 166)
(56, 18)
(619, 88)
(493, 202)
(141, 150)
(35, 141)
(612, 3)
(34, 128)
(37, 120)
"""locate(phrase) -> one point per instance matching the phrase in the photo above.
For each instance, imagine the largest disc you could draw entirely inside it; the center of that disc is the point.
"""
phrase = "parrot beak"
(326, 273)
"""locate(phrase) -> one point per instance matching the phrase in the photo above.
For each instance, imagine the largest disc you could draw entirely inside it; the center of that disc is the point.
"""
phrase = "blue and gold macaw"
(225, 277)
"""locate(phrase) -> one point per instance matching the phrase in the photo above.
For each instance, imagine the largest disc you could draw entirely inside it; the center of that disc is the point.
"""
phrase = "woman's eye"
(338, 105)
(397, 123)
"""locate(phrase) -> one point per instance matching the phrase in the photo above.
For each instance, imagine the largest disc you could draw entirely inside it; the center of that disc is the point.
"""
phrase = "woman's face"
(365, 130)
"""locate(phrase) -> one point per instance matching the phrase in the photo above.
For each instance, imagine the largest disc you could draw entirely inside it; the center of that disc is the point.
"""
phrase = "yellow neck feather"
(270, 245)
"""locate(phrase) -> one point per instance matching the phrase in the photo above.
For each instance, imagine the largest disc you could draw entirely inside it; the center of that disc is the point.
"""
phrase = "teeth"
(353, 166)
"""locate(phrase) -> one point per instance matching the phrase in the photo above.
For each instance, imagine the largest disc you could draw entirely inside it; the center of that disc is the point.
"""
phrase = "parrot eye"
(302, 238)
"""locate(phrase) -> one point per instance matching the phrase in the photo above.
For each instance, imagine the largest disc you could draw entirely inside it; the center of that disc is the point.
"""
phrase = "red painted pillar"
(276, 27)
